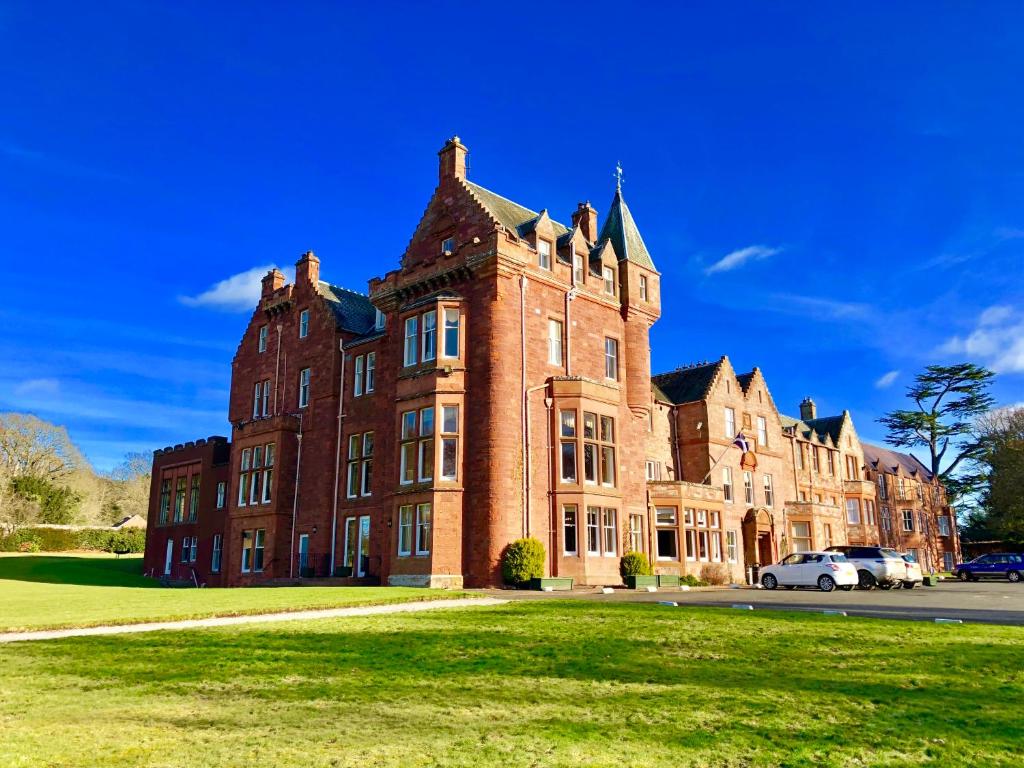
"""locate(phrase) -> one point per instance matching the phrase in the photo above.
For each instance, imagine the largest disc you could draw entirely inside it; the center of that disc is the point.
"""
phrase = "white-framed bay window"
(423, 528)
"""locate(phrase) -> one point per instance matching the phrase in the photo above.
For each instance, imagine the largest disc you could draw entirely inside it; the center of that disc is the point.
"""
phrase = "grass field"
(55, 591)
(534, 683)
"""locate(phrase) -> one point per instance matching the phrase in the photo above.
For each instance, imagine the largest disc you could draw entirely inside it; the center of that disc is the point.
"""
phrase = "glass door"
(364, 545)
(351, 541)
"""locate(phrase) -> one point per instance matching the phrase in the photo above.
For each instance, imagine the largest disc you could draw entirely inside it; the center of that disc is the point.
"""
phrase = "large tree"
(948, 400)
(31, 446)
(1001, 435)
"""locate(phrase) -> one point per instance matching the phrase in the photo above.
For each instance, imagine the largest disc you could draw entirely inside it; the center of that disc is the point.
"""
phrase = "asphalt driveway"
(991, 602)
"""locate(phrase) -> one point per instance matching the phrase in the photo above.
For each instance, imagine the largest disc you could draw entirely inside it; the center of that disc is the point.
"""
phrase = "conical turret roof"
(620, 228)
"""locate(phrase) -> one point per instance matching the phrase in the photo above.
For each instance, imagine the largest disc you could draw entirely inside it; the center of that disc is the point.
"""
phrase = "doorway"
(357, 544)
(303, 553)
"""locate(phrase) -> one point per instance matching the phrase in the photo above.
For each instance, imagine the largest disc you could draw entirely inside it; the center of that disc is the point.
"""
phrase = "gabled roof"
(744, 379)
(510, 215)
(818, 429)
(887, 460)
(828, 425)
(620, 228)
(353, 311)
(686, 385)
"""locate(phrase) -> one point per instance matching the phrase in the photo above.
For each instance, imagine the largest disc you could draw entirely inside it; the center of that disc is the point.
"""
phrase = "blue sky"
(833, 192)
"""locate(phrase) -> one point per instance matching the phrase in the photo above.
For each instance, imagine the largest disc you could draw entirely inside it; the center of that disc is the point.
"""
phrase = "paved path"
(227, 621)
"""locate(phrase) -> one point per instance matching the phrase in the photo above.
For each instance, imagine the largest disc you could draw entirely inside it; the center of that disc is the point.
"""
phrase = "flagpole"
(719, 459)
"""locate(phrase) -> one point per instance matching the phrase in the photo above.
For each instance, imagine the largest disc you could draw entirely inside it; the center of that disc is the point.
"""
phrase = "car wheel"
(826, 583)
(769, 582)
(865, 580)
(909, 584)
(964, 576)
(1013, 576)
(846, 587)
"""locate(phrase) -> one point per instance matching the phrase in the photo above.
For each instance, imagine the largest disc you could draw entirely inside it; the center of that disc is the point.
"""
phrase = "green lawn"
(533, 683)
(53, 591)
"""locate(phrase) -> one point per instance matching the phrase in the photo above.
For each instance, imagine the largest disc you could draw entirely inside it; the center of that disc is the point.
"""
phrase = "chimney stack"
(585, 218)
(808, 410)
(453, 159)
(307, 269)
(273, 280)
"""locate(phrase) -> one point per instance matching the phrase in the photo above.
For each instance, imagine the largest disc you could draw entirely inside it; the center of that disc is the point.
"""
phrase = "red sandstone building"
(498, 385)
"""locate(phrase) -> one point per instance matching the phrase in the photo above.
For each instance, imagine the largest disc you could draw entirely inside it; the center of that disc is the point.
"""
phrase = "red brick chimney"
(307, 269)
(585, 218)
(273, 280)
(453, 159)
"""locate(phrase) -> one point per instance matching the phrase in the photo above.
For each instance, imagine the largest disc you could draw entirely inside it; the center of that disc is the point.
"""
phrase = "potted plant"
(635, 569)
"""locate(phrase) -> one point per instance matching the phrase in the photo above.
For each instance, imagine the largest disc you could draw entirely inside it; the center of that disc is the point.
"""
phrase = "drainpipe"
(675, 444)
(569, 296)
(277, 369)
(337, 454)
(295, 500)
(523, 411)
(549, 403)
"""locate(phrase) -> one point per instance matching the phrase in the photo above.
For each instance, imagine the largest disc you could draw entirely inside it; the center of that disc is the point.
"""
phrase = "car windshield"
(839, 558)
(891, 554)
(909, 558)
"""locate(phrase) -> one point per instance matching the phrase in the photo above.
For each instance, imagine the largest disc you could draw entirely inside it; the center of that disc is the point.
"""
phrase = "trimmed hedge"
(522, 560)
(634, 564)
(62, 540)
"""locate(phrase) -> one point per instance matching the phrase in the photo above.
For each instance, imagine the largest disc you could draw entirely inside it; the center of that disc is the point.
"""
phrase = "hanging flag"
(742, 443)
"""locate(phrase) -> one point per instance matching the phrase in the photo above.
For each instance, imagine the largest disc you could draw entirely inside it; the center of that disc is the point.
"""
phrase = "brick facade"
(497, 384)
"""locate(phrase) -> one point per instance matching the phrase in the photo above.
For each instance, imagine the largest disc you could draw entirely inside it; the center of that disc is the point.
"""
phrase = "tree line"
(974, 448)
(44, 478)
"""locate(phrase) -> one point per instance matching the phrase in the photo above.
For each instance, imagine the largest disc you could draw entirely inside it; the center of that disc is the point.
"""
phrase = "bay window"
(451, 332)
(423, 523)
(429, 336)
(405, 530)
(668, 533)
(411, 333)
(567, 420)
(449, 442)
(569, 530)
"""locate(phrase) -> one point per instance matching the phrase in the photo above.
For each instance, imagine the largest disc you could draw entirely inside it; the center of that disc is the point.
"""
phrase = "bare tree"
(31, 446)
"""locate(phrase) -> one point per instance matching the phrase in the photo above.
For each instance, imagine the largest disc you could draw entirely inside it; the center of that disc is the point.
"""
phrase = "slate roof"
(510, 215)
(686, 385)
(620, 228)
(353, 311)
(887, 460)
(827, 426)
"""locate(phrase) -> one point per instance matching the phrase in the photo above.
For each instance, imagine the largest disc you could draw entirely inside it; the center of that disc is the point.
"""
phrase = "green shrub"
(634, 564)
(522, 560)
(22, 540)
(62, 540)
(692, 581)
(126, 540)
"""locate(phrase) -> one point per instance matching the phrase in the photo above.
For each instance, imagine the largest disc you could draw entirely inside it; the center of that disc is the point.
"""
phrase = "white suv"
(876, 566)
(824, 570)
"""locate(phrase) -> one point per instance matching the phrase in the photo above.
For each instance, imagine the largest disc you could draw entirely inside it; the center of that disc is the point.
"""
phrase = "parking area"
(991, 602)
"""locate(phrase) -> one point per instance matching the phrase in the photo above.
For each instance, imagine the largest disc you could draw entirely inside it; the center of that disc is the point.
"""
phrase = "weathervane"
(618, 176)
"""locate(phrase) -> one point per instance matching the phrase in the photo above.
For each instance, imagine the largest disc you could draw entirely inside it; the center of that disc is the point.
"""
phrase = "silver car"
(876, 566)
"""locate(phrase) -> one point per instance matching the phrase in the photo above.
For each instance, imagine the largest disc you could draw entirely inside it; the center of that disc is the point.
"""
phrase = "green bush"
(692, 581)
(22, 540)
(522, 560)
(127, 540)
(63, 540)
(634, 564)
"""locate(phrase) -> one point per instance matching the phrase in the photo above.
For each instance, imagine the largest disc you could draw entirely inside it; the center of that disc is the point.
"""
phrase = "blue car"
(1000, 565)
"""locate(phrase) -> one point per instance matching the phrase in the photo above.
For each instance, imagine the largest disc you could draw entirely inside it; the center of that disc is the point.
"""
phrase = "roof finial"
(618, 176)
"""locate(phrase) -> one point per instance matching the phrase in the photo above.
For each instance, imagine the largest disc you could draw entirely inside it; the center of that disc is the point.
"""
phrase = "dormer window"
(609, 280)
(448, 246)
(544, 254)
(577, 266)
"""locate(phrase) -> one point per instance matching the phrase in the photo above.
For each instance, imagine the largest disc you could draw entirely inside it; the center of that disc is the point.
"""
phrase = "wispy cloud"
(887, 380)
(996, 341)
(822, 308)
(237, 293)
(33, 387)
(738, 258)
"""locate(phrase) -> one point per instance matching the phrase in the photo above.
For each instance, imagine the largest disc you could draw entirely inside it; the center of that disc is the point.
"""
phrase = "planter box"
(638, 582)
(931, 581)
(668, 580)
(552, 583)
(343, 571)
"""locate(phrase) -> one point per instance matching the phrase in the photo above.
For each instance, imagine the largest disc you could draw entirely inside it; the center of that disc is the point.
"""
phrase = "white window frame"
(222, 494)
(853, 512)
(544, 254)
(610, 531)
(556, 335)
(411, 341)
(769, 491)
(405, 530)
(448, 245)
(731, 547)
(216, 553)
(608, 276)
(357, 376)
(727, 485)
(305, 375)
(730, 422)
(424, 528)
(452, 322)
(611, 358)
(762, 432)
(575, 543)
(303, 323)
(379, 320)
(261, 339)
(371, 372)
(748, 487)
(643, 288)
(428, 337)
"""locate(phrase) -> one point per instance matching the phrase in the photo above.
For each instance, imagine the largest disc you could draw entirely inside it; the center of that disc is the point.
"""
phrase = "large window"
(165, 500)
(304, 375)
(593, 530)
(358, 376)
(405, 530)
(882, 486)
(831, 456)
(577, 267)
(451, 332)
(193, 499)
(567, 430)
(261, 399)
(748, 487)
(179, 500)
(944, 526)
(611, 359)
(423, 523)
(268, 472)
(762, 432)
(769, 491)
(416, 458)
(555, 342)
(222, 493)
(217, 552)
(598, 449)
(428, 339)
(257, 549)
(636, 533)
(730, 423)
(731, 548)
(261, 344)
(304, 324)
(703, 534)
(815, 460)
(189, 547)
(570, 530)
(801, 534)
(246, 551)
(853, 511)
(611, 536)
(886, 518)
(608, 277)
(908, 520)
(243, 477)
(256, 476)
(668, 533)
(360, 464)
(371, 372)
(869, 512)
(411, 335)
(449, 442)
(727, 483)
